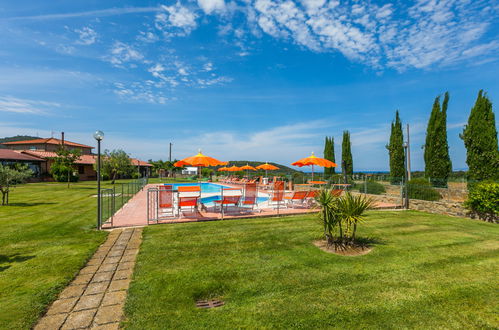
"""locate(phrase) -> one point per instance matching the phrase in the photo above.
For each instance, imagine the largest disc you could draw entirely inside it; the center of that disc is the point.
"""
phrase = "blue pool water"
(208, 201)
(206, 187)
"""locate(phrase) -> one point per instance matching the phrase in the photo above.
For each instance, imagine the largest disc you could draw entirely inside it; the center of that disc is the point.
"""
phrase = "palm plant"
(344, 213)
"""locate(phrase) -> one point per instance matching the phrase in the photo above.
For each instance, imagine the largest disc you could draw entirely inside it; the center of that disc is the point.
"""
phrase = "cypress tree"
(332, 156)
(430, 132)
(396, 151)
(346, 154)
(329, 155)
(480, 140)
(438, 165)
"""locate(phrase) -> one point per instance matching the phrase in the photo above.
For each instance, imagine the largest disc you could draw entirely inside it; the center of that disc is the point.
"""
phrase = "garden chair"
(166, 200)
(250, 195)
(277, 195)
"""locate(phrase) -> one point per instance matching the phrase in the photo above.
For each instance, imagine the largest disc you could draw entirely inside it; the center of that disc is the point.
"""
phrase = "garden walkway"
(95, 298)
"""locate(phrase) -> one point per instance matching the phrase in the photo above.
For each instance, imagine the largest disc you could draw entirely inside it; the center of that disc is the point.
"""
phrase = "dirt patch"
(350, 251)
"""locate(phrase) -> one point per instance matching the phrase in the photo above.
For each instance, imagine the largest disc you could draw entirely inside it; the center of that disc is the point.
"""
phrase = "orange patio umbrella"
(233, 169)
(313, 160)
(199, 160)
(222, 169)
(248, 167)
(267, 167)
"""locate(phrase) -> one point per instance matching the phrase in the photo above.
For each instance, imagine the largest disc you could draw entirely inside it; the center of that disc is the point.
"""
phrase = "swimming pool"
(208, 201)
(206, 187)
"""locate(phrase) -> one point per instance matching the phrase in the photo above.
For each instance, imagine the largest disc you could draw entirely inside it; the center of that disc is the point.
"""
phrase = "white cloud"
(175, 20)
(122, 53)
(26, 106)
(87, 36)
(209, 6)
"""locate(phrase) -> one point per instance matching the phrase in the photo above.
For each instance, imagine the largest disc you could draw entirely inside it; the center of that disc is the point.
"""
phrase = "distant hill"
(283, 170)
(16, 138)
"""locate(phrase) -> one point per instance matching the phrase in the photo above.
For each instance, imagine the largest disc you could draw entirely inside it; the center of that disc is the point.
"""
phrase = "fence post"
(365, 185)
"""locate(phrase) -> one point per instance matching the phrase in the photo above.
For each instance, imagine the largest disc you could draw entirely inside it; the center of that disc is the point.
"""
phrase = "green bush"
(371, 187)
(60, 173)
(421, 189)
(483, 201)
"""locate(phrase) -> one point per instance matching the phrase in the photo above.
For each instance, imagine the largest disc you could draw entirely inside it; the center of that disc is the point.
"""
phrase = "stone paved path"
(95, 298)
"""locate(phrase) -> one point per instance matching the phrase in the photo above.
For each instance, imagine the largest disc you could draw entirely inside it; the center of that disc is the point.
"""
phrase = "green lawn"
(427, 271)
(46, 235)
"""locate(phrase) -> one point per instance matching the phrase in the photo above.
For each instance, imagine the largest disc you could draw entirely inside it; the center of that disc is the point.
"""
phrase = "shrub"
(421, 189)
(483, 201)
(60, 173)
(371, 187)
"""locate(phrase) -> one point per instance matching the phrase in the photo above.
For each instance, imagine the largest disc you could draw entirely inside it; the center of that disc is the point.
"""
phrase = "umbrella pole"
(312, 172)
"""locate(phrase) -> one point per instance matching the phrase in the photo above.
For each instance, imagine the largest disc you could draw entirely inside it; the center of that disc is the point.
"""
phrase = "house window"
(32, 147)
(81, 169)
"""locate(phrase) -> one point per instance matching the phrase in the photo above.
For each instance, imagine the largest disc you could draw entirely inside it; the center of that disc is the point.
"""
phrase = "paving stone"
(131, 252)
(98, 287)
(114, 298)
(108, 326)
(94, 262)
(128, 258)
(118, 253)
(50, 322)
(89, 302)
(100, 255)
(101, 277)
(88, 270)
(119, 285)
(107, 268)
(80, 319)
(123, 274)
(72, 291)
(112, 260)
(125, 265)
(82, 279)
(62, 306)
(109, 314)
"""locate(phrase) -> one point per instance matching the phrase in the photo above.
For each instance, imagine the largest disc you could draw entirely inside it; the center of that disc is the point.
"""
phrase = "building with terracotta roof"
(10, 157)
(43, 151)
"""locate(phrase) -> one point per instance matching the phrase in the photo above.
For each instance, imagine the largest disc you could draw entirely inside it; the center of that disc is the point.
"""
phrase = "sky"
(261, 80)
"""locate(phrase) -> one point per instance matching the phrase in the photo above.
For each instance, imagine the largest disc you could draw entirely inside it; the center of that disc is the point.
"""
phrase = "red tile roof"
(140, 162)
(7, 154)
(48, 141)
(84, 159)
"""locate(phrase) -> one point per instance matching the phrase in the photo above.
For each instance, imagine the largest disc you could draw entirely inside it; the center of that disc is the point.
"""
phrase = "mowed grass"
(47, 233)
(426, 271)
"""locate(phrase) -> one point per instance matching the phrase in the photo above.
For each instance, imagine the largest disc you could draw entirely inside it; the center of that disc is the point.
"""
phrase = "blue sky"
(254, 79)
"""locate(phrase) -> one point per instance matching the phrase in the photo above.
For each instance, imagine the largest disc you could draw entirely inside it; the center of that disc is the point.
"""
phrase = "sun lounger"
(228, 200)
(188, 196)
(296, 197)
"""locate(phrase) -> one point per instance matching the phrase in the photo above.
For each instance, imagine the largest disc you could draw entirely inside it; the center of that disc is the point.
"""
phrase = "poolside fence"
(113, 199)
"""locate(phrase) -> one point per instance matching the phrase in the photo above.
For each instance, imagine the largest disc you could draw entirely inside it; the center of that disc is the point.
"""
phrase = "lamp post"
(98, 135)
(406, 176)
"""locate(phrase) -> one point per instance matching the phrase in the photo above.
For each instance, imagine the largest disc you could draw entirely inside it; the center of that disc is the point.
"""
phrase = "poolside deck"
(134, 213)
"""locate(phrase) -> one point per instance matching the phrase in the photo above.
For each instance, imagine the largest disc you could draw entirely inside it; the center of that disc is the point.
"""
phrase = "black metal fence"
(113, 199)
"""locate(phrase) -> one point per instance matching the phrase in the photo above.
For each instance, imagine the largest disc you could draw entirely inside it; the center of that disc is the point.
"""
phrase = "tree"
(480, 140)
(63, 167)
(438, 165)
(346, 154)
(10, 176)
(396, 151)
(115, 163)
(329, 155)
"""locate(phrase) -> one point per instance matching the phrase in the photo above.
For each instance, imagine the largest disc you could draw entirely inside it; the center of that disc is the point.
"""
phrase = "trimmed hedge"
(371, 187)
(420, 188)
